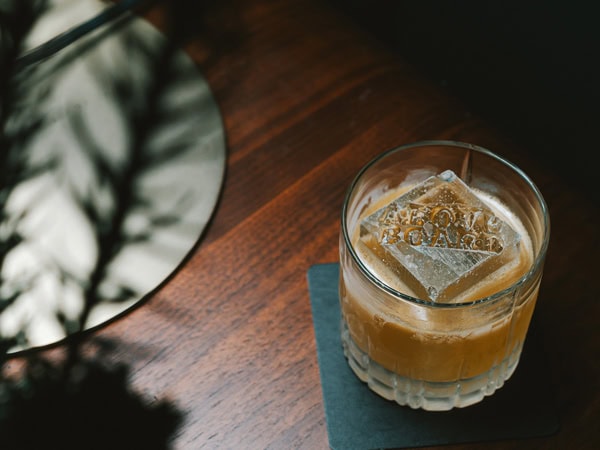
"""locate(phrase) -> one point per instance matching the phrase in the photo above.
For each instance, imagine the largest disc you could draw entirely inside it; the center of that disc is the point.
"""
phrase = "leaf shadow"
(89, 404)
(65, 397)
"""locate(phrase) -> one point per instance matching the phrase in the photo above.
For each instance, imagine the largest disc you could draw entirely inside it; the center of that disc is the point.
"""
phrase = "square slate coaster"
(358, 419)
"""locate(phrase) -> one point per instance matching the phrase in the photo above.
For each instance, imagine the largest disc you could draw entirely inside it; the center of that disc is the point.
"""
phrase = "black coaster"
(358, 419)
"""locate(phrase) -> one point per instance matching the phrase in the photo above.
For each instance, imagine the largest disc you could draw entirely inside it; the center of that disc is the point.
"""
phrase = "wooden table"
(307, 99)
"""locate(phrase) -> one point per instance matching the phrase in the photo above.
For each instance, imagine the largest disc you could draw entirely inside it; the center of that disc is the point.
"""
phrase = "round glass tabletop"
(117, 160)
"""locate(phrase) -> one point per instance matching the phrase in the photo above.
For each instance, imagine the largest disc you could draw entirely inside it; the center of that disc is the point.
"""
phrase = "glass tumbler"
(424, 353)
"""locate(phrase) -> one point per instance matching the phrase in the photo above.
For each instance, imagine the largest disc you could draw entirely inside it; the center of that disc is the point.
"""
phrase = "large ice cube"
(439, 238)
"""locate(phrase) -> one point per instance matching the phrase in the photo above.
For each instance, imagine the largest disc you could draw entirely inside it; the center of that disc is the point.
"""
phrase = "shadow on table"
(80, 399)
(86, 404)
(529, 69)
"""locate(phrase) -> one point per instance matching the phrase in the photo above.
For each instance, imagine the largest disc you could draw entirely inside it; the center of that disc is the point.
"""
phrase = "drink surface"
(424, 341)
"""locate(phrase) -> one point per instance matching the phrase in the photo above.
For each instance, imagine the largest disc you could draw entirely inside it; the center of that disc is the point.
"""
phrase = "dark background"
(529, 68)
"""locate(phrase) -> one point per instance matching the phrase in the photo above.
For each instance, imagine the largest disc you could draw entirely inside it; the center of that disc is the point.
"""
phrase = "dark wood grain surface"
(307, 99)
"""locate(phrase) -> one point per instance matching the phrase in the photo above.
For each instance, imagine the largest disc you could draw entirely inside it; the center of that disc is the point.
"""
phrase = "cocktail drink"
(441, 257)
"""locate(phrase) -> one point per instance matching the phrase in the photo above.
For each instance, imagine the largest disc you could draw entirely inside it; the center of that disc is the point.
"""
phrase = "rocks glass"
(442, 249)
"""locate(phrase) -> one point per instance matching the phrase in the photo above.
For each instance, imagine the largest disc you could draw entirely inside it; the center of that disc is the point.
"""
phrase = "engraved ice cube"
(439, 238)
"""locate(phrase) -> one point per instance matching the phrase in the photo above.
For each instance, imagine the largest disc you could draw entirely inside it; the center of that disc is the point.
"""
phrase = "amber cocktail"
(441, 256)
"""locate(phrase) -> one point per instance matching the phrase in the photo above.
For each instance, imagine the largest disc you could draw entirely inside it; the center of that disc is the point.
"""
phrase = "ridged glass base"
(431, 396)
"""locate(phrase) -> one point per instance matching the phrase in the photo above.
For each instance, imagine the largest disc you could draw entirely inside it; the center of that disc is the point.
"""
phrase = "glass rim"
(539, 256)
